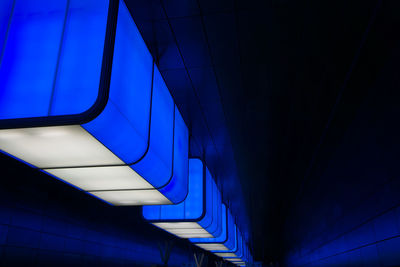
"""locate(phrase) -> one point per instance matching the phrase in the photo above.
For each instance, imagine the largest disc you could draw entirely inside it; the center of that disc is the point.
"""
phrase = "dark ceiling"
(263, 85)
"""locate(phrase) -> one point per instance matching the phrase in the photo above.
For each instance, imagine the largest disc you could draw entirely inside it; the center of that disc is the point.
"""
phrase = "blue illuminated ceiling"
(193, 64)
(257, 82)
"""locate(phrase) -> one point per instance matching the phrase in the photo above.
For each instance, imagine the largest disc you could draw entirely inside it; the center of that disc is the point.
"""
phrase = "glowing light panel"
(226, 241)
(197, 215)
(82, 100)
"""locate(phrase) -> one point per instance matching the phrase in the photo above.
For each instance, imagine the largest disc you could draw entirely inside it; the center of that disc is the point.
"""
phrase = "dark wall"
(45, 222)
(349, 211)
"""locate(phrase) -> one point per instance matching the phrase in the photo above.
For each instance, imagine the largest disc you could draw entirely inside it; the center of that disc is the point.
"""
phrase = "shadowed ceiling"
(267, 89)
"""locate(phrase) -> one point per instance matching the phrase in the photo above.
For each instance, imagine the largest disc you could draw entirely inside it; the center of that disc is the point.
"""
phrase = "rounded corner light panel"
(226, 241)
(242, 253)
(247, 256)
(82, 100)
(233, 255)
(199, 214)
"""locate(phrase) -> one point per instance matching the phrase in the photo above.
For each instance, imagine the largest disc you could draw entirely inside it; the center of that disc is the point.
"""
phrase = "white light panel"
(56, 149)
(184, 229)
(212, 246)
(175, 225)
(56, 146)
(225, 254)
(195, 235)
(188, 233)
(102, 178)
(133, 197)
(234, 259)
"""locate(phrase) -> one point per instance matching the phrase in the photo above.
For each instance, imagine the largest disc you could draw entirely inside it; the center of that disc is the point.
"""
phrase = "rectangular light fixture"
(232, 254)
(82, 100)
(234, 260)
(199, 214)
(240, 255)
(226, 241)
(246, 257)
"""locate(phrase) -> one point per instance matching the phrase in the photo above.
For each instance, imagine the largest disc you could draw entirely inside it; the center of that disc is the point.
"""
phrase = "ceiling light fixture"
(82, 100)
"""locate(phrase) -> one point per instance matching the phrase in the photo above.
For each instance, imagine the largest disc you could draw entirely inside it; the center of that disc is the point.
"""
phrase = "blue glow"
(245, 256)
(240, 251)
(218, 212)
(194, 202)
(52, 63)
(220, 215)
(123, 126)
(215, 227)
(228, 236)
(30, 51)
(5, 15)
(248, 256)
(239, 248)
(42, 37)
(218, 239)
(207, 219)
(156, 166)
(77, 81)
(231, 243)
(177, 188)
(191, 208)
